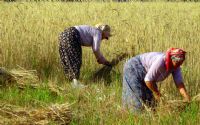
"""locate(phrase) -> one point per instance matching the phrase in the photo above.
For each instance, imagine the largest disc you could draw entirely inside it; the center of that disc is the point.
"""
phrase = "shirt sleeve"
(177, 76)
(96, 41)
(155, 70)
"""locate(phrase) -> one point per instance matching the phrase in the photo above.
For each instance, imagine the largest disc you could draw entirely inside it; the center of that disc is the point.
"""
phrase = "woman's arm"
(177, 75)
(183, 92)
(100, 58)
(153, 87)
(96, 50)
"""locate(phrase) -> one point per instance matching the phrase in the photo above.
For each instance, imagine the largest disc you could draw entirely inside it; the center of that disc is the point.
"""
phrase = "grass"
(29, 38)
(29, 96)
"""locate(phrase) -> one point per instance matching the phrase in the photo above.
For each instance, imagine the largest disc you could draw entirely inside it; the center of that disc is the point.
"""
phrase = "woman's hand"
(104, 62)
(187, 99)
(157, 96)
(107, 63)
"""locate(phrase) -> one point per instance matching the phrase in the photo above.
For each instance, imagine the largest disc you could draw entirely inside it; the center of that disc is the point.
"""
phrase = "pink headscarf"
(175, 54)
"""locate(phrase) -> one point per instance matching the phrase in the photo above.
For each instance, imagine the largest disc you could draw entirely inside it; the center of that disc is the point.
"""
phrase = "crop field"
(29, 41)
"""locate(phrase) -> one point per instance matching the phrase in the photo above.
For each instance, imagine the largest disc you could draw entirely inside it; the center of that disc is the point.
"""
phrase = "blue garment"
(135, 92)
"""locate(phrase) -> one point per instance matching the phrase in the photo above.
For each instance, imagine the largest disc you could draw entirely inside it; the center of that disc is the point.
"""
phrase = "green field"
(29, 39)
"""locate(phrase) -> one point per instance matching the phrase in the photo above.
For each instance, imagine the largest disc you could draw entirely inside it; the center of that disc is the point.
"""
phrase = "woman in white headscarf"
(70, 42)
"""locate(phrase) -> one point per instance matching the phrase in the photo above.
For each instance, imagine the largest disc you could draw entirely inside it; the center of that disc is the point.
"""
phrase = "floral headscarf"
(174, 54)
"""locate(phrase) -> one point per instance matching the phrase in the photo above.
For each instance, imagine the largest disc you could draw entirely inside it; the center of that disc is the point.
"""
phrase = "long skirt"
(70, 52)
(135, 93)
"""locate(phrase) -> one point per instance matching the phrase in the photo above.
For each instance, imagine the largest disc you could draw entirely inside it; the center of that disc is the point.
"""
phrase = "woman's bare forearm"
(183, 91)
(152, 86)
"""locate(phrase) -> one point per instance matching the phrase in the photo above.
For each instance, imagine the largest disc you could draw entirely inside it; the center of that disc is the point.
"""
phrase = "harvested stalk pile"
(5, 77)
(59, 114)
(21, 76)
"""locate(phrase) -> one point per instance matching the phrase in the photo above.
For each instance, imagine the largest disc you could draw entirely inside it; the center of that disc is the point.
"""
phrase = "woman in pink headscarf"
(141, 73)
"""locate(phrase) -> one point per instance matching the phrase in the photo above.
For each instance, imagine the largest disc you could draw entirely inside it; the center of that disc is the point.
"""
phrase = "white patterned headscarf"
(103, 27)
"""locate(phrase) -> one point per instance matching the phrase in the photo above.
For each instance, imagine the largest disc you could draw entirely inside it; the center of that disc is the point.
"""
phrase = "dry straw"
(57, 113)
(177, 105)
(20, 76)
